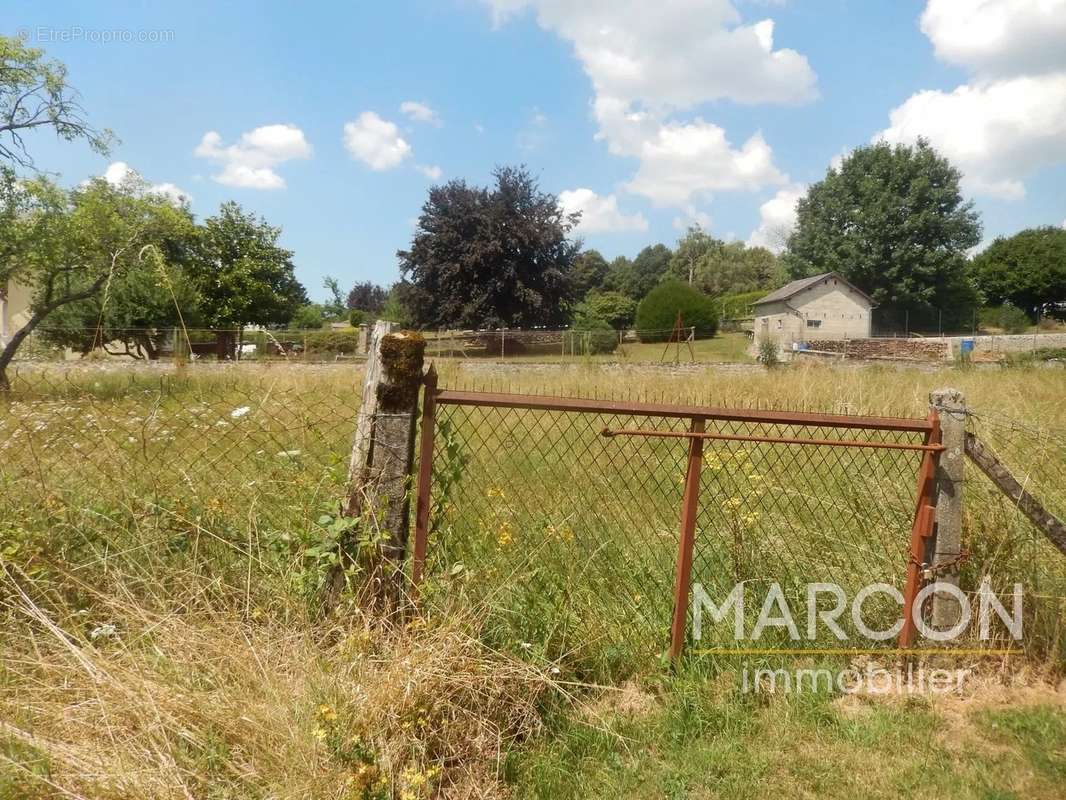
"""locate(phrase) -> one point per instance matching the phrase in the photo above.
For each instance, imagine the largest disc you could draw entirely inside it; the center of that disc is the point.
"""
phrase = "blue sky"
(646, 115)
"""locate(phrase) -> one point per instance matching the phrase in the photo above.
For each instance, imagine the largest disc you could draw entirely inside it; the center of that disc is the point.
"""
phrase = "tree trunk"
(225, 343)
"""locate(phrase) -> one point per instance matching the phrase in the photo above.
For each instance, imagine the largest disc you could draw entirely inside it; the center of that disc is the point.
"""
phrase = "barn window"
(814, 323)
(780, 324)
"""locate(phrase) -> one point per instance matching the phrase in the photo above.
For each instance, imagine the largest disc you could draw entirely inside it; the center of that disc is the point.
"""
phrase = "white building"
(820, 307)
(15, 303)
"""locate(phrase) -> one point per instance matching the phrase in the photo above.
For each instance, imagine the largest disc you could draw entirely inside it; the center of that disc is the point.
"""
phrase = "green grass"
(210, 496)
(698, 738)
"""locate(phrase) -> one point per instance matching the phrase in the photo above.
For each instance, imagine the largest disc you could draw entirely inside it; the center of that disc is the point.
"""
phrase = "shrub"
(657, 312)
(732, 306)
(591, 337)
(357, 317)
(768, 352)
(614, 308)
(325, 342)
(1007, 317)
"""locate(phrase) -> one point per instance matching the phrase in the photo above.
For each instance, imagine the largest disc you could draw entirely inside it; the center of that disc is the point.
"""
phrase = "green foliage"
(768, 354)
(35, 96)
(591, 336)
(717, 267)
(243, 276)
(733, 306)
(357, 317)
(588, 272)
(336, 308)
(70, 246)
(648, 270)
(619, 274)
(1027, 269)
(397, 306)
(484, 258)
(892, 220)
(327, 342)
(309, 317)
(657, 313)
(1006, 317)
(614, 308)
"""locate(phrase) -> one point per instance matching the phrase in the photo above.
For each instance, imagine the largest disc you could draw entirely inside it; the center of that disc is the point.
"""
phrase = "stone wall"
(897, 349)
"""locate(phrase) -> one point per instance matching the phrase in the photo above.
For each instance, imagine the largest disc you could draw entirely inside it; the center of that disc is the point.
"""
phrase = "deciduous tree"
(893, 221)
(1027, 269)
(490, 257)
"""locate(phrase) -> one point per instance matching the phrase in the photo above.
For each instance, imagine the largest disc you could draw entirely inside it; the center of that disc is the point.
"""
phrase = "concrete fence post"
(951, 409)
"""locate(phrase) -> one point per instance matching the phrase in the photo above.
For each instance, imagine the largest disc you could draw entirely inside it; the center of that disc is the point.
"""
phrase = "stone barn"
(817, 308)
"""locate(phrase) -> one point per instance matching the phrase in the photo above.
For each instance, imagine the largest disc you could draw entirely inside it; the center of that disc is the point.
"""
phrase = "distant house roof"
(797, 286)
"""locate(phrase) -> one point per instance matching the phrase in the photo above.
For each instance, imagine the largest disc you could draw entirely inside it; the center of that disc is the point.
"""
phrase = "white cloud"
(683, 161)
(649, 61)
(998, 37)
(419, 112)
(1010, 120)
(431, 171)
(118, 172)
(251, 161)
(600, 214)
(375, 141)
(692, 217)
(777, 218)
(997, 133)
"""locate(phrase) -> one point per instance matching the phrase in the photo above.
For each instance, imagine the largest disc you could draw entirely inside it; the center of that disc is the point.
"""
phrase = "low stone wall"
(1016, 343)
(898, 349)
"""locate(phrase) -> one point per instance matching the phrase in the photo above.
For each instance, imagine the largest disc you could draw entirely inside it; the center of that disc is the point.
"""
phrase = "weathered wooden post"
(950, 406)
(379, 469)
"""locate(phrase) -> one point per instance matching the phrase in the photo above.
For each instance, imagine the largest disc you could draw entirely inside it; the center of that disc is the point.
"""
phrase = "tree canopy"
(367, 296)
(893, 221)
(1027, 270)
(588, 272)
(242, 274)
(69, 246)
(35, 95)
(490, 257)
(718, 268)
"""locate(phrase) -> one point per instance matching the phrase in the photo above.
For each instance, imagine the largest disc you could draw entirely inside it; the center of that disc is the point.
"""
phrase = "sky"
(332, 120)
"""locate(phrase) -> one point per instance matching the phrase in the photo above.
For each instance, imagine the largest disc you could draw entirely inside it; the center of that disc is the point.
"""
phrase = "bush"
(614, 308)
(591, 337)
(768, 354)
(1007, 317)
(657, 312)
(345, 342)
(357, 317)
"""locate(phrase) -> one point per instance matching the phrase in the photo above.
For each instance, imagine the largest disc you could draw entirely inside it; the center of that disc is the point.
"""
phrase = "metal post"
(921, 529)
(425, 474)
(686, 541)
(951, 410)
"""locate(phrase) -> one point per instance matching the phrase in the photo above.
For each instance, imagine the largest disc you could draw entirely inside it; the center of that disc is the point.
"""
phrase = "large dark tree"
(368, 296)
(893, 221)
(490, 257)
(1027, 269)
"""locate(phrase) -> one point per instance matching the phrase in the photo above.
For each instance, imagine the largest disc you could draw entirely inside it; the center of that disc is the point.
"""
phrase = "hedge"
(657, 312)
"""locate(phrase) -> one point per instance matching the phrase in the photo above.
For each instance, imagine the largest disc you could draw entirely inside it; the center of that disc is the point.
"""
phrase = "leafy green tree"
(1027, 270)
(242, 275)
(35, 96)
(71, 246)
(619, 275)
(589, 271)
(488, 258)
(657, 312)
(649, 268)
(893, 221)
(717, 267)
(614, 308)
(309, 317)
(397, 307)
(336, 308)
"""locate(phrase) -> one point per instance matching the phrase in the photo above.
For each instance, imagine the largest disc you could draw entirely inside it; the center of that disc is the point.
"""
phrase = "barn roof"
(797, 286)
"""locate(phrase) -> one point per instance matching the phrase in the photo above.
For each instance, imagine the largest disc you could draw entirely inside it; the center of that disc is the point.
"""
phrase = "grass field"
(163, 538)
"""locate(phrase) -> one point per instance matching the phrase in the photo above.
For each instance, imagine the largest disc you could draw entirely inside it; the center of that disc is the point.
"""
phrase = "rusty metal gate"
(590, 520)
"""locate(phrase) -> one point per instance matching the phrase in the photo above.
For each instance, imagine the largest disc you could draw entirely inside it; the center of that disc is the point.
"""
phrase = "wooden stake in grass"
(379, 470)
